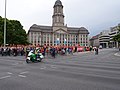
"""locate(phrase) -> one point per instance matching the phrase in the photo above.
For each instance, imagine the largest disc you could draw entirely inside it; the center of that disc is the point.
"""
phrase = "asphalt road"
(81, 71)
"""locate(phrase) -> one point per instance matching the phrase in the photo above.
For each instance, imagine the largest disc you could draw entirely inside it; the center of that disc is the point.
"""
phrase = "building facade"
(94, 41)
(58, 33)
(104, 38)
(113, 32)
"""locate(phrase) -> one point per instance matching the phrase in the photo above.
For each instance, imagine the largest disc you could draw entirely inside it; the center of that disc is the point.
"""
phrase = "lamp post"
(5, 25)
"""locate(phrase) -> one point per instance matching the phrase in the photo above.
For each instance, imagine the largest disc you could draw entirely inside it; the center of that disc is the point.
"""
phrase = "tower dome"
(58, 3)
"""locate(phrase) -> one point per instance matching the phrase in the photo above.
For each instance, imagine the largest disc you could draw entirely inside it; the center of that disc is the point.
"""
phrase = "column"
(75, 39)
(30, 37)
(79, 39)
(36, 38)
(82, 40)
(67, 39)
(117, 45)
(85, 40)
(56, 39)
(70, 39)
(62, 39)
(107, 45)
(49, 39)
(53, 39)
(33, 39)
(40, 39)
(46, 38)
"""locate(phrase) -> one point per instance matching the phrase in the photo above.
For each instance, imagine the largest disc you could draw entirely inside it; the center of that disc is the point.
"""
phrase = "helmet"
(31, 51)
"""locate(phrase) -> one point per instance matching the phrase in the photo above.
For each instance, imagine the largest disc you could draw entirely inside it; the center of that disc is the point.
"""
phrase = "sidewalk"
(77, 53)
(66, 55)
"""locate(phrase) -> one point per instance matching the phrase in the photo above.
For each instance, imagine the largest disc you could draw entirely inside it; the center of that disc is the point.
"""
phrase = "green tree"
(1, 29)
(15, 34)
(117, 37)
(1, 38)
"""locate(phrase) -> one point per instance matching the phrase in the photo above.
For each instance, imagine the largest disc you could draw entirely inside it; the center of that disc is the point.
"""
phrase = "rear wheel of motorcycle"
(40, 60)
(27, 60)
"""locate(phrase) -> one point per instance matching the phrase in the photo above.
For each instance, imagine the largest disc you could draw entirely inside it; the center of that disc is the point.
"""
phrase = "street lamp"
(5, 25)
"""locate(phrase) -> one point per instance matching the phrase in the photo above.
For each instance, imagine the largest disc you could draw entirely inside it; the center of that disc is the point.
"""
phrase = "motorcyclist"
(32, 55)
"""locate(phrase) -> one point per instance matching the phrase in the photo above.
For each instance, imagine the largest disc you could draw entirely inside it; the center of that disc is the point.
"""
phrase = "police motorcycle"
(32, 56)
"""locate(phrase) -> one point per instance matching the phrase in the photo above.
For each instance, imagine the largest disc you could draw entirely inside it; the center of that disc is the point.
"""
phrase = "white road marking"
(15, 63)
(116, 54)
(9, 73)
(43, 68)
(8, 60)
(24, 72)
(5, 77)
(53, 66)
(22, 76)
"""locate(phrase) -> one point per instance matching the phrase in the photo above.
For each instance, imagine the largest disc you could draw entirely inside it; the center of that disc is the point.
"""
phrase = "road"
(81, 71)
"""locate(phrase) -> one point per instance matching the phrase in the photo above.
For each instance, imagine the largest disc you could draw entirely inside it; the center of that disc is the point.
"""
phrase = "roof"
(73, 30)
(37, 28)
(58, 3)
(81, 30)
(95, 37)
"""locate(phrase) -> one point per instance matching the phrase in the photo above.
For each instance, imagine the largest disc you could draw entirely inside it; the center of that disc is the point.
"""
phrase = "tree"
(15, 34)
(1, 38)
(117, 37)
(1, 29)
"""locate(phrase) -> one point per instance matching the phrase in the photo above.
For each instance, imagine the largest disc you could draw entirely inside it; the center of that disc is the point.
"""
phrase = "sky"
(94, 15)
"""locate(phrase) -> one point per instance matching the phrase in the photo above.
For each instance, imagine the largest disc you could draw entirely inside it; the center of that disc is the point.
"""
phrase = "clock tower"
(58, 16)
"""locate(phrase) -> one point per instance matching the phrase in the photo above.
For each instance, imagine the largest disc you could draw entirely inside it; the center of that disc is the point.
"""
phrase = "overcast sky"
(95, 15)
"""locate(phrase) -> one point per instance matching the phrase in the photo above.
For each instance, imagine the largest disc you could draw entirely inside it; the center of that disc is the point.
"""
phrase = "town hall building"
(58, 33)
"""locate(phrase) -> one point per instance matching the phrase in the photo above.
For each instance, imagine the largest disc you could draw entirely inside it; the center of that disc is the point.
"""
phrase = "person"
(96, 51)
(53, 52)
(75, 48)
(27, 50)
(91, 48)
(32, 55)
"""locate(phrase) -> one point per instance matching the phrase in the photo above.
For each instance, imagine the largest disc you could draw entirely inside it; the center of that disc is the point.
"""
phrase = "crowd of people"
(12, 51)
(21, 50)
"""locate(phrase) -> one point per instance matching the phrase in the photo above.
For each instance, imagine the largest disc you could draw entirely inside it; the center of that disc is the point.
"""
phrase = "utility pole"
(5, 26)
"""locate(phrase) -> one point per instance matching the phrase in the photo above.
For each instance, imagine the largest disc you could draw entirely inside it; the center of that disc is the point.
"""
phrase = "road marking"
(22, 76)
(53, 66)
(5, 77)
(9, 73)
(15, 63)
(116, 54)
(24, 72)
(43, 67)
